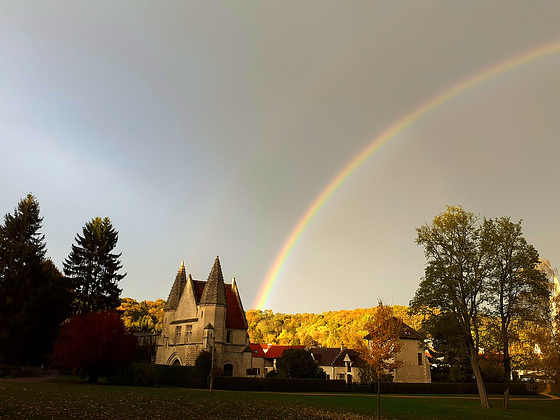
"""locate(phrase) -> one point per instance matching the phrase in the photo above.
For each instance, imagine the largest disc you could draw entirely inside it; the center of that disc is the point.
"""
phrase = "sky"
(210, 128)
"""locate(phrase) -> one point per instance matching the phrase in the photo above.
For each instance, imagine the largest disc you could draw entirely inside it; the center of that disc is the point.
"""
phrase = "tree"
(34, 297)
(383, 344)
(547, 338)
(451, 362)
(93, 269)
(96, 343)
(144, 316)
(299, 363)
(454, 277)
(515, 285)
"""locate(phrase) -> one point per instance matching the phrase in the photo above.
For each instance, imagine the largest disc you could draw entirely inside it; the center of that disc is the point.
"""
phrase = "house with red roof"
(265, 356)
(205, 315)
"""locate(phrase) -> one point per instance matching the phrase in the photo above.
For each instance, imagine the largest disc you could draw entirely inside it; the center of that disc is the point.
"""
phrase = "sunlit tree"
(383, 345)
(516, 290)
(454, 277)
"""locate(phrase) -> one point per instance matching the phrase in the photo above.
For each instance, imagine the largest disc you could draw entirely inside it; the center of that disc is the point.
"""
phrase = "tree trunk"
(378, 397)
(478, 375)
(507, 373)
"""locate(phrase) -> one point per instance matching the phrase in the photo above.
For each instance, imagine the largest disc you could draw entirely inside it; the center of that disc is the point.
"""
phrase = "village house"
(343, 363)
(265, 357)
(205, 315)
(338, 362)
(415, 365)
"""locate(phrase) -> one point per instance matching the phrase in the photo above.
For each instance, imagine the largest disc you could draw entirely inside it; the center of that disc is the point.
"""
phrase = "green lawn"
(65, 399)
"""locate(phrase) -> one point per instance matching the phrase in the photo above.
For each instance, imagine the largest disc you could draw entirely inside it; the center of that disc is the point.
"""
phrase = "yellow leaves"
(383, 341)
(329, 329)
(142, 316)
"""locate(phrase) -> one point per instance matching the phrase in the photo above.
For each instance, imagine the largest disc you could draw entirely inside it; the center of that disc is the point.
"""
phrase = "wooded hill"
(328, 329)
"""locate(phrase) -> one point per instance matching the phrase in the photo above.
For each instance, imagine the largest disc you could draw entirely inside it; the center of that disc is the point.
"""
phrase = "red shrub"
(96, 343)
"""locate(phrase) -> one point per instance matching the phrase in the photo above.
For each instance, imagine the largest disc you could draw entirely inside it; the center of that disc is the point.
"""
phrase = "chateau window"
(178, 334)
(228, 336)
(188, 333)
(419, 359)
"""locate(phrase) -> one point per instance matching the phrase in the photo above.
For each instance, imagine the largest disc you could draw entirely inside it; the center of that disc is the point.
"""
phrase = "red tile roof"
(270, 351)
(235, 316)
(257, 350)
(198, 289)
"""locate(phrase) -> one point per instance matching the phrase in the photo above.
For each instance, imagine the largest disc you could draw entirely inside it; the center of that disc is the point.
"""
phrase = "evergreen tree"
(93, 269)
(33, 295)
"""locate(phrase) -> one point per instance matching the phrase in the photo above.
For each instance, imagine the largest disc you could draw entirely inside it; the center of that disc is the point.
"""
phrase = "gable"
(186, 309)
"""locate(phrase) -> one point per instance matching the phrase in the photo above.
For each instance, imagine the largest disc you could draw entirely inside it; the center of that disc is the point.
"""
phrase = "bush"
(203, 364)
(135, 374)
(184, 376)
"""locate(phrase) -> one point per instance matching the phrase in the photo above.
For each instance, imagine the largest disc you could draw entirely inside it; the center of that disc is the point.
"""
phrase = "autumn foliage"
(144, 316)
(95, 343)
(328, 329)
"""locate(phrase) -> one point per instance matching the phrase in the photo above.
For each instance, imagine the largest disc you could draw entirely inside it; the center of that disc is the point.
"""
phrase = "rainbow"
(378, 142)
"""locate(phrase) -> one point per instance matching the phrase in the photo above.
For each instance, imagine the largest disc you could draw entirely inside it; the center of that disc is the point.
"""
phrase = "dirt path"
(42, 377)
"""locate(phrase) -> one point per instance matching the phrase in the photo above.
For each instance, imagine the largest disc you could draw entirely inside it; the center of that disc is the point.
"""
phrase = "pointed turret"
(214, 291)
(177, 289)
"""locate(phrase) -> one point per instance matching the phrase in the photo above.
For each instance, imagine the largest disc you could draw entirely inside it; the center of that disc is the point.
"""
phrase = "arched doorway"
(176, 363)
(228, 369)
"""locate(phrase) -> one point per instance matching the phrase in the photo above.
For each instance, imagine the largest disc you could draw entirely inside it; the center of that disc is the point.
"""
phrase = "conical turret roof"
(215, 290)
(177, 289)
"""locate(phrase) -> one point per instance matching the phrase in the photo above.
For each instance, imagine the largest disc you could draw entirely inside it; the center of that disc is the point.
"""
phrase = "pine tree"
(93, 269)
(33, 295)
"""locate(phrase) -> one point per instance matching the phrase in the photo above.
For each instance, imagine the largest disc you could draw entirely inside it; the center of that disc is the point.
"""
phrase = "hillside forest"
(345, 327)
(328, 329)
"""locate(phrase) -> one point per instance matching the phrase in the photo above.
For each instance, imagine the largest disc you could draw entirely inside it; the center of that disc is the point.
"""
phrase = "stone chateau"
(200, 315)
(204, 315)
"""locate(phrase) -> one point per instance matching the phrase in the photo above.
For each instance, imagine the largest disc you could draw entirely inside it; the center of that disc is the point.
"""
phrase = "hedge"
(278, 385)
(144, 374)
(184, 376)
(516, 388)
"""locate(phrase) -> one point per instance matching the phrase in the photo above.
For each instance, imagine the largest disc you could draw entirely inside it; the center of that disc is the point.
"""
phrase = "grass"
(71, 398)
